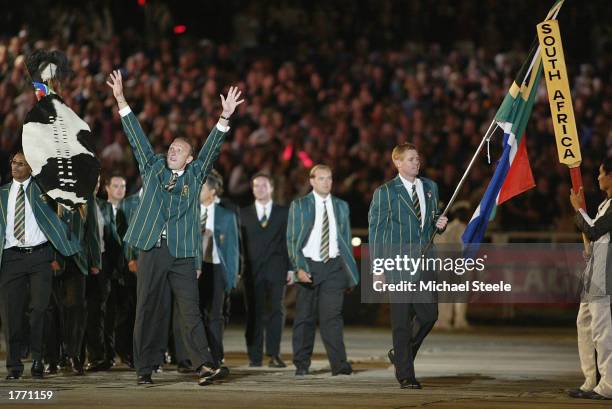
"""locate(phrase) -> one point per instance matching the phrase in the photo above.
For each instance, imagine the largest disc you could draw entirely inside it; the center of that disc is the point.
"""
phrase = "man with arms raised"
(166, 230)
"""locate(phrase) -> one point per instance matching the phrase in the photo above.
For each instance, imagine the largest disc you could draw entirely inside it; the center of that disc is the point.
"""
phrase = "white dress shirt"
(210, 226)
(33, 235)
(313, 245)
(263, 209)
(420, 193)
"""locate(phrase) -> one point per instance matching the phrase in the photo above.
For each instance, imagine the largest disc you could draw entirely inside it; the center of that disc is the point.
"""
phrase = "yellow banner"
(559, 95)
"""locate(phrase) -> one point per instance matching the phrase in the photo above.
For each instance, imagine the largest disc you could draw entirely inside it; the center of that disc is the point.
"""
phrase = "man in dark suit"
(404, 214)
(268, 270)
(29, 232)
(218, 270)
(319, 247)
(102, 288)
(165, 229)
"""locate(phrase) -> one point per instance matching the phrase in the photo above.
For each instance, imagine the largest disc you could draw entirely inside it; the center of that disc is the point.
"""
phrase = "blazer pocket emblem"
(185, 190)
(221, 238)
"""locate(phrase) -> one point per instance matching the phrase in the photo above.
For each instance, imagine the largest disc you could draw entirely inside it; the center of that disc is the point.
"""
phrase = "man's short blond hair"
(398, 151)
(319, 167)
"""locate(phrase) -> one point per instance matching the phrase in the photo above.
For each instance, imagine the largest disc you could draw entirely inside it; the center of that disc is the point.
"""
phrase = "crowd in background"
(330, 85)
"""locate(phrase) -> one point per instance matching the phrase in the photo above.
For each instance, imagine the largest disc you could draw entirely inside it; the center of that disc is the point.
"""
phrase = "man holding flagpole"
(404, 212)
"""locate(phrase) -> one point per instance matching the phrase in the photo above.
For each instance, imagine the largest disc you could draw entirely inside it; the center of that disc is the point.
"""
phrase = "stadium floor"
(485, 367)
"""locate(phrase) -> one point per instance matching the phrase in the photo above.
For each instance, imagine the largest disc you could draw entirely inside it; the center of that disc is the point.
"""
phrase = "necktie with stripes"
(172, 182)
(203, 220)
(264, 220)
(416, 203)
(325, 235)
(19, 228)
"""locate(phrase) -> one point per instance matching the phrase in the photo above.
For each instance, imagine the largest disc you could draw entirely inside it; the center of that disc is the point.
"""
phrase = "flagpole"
(461, 182)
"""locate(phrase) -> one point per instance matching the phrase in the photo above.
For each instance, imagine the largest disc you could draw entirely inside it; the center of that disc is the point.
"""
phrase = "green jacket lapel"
(4, 194)
(430, 210)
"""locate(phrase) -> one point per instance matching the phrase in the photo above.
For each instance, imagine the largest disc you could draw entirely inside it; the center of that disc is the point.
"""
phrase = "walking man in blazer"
(319, 247)
(268, 270)
(217, 272)
(403, 215)
(30, 231)
(166, 230)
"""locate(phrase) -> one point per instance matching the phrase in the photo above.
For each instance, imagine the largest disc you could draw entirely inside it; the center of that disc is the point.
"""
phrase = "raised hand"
(115, 82)
(576, 199)
(231, 101)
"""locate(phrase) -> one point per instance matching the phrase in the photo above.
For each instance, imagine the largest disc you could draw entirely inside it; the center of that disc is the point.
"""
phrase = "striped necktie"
(172, 182)
(19, 228)
(325, 235)
(203, 220)
(264, 220)
(417, 204)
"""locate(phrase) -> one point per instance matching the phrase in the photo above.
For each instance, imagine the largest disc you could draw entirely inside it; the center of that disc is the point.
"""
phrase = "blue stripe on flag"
(475, 230)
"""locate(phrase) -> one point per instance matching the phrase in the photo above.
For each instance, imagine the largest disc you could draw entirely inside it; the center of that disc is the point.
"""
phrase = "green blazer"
(129, 205)
(300, 223)
(393, 223)
(85, 230)
(177, 211)
(228, 245)
(52, 227)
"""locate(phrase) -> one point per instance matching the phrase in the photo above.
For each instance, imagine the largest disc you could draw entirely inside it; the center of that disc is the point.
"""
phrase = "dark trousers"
(211, 287)
(54, 324)
(19, 271)
(160, 278)
(212, 300)
(74, 308)
(123, 299)
(100, 343)
(410, 323)
(265, 310)
(326, 295)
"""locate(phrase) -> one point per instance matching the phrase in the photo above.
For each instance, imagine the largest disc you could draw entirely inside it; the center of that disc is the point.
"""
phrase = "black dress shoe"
(207, 375)
(410, 384)
(145, 380)
(255, 364)
(577, 393)
(391, 355)
(13, 375)
(301, 371)
(223, 372)
(595, 396)
(345, 370)
(38, 369)
(52, 368)
(276, 362)
(97, 366)
(77, 366)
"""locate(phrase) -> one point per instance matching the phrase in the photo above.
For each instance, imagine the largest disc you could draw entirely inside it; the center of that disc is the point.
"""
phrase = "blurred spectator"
(327, 84)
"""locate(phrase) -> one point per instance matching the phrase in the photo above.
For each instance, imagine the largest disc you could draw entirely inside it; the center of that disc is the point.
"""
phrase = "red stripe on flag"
(519, 178)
